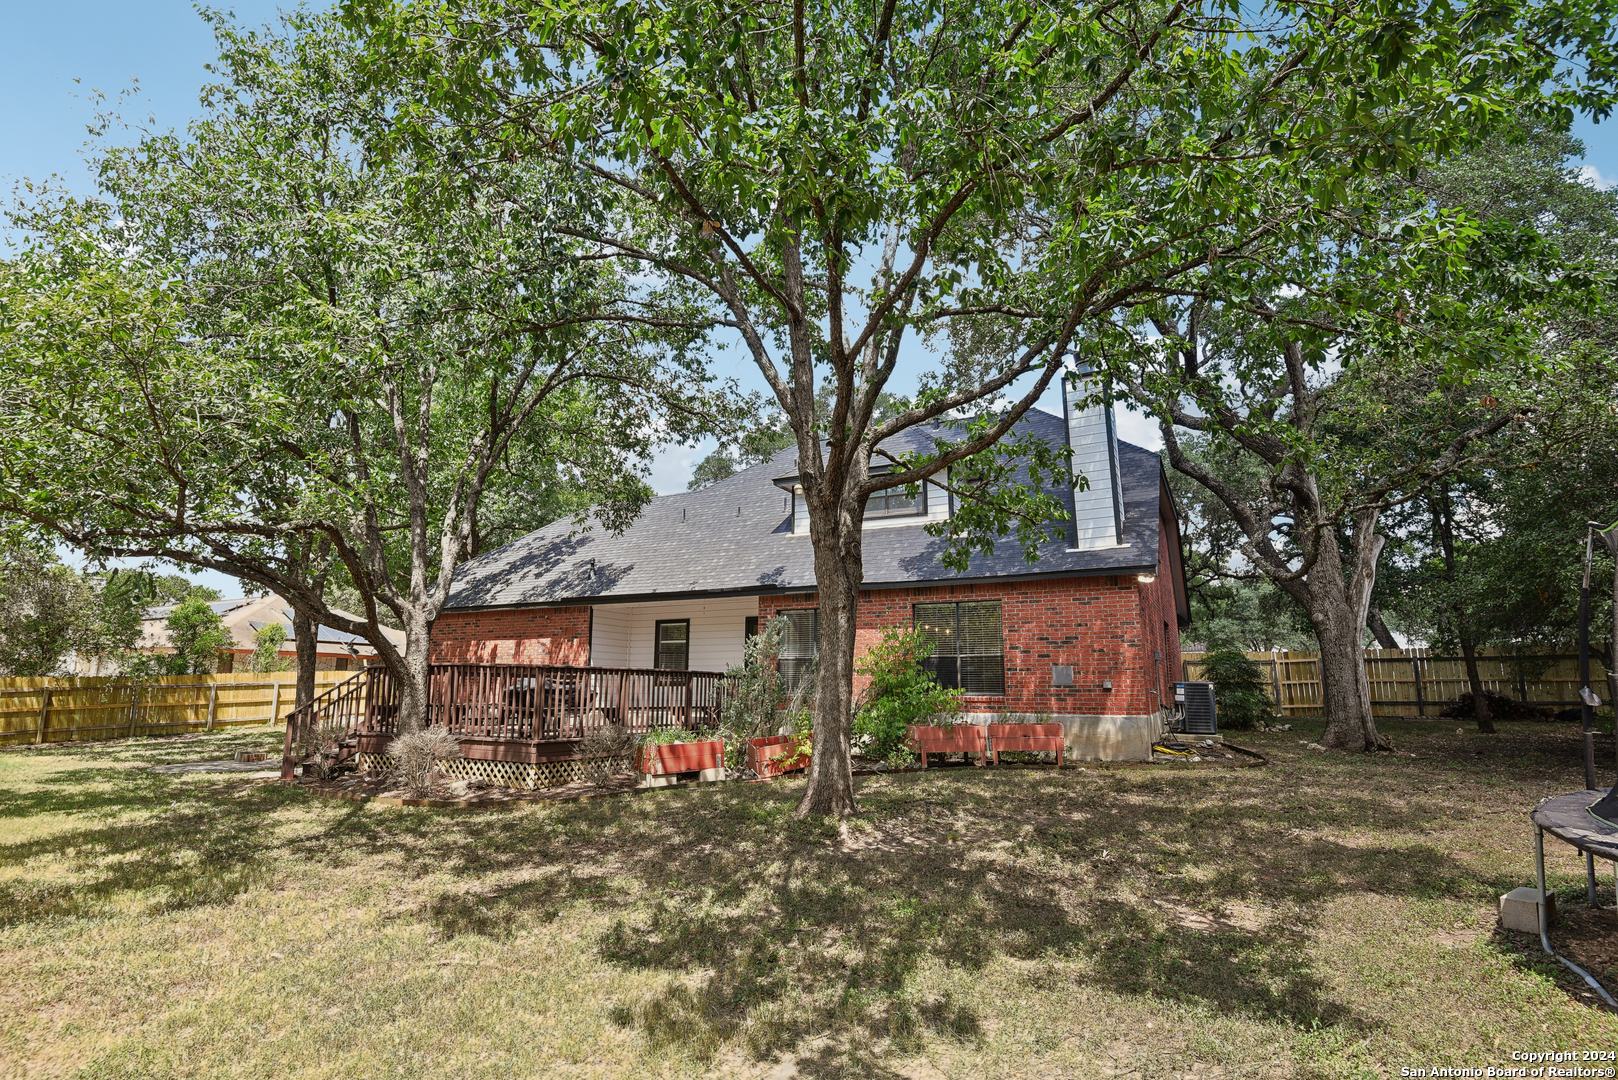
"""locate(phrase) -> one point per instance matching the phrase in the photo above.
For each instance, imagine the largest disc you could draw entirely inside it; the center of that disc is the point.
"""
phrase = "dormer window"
(893, 502)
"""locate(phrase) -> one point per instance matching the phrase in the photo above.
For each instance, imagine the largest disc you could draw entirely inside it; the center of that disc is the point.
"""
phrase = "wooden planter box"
(1027, 737)
(961, 739)
(681, 757)
(774, 755)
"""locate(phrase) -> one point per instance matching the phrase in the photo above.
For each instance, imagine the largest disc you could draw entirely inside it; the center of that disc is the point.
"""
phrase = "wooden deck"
(533, 713)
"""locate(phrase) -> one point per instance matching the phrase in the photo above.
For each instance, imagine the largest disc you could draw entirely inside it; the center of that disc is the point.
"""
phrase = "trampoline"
(1573, 820)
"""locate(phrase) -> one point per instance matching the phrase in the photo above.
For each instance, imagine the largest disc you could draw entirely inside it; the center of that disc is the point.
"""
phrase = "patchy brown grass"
(1324, 916)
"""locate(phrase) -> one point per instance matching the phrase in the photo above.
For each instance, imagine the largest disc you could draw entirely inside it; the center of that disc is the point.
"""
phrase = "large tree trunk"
(414, 677)
(304, 630)
(838, 574)
(1480, 701)
(1337, 609)
(1345, 687)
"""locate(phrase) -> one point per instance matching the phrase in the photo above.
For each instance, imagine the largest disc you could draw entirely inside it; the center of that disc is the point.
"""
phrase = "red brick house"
(1090, 633)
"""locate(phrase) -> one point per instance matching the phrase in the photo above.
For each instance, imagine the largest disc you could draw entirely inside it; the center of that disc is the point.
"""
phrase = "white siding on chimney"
(622, 634)
(1096, 511)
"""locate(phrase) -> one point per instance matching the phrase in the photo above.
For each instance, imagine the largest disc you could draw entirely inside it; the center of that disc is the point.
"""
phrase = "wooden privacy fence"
(1414, 682)
(110, 707)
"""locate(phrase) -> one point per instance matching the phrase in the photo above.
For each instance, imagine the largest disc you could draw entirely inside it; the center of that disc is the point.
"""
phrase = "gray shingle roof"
(734, 536)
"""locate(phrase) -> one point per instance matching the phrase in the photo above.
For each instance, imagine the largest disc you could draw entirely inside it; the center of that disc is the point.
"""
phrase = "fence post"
(134, 700)
(213, 704)
(44, 707)
(275, 701)
(1415, 671)
(1522, 683)
(1275, 680)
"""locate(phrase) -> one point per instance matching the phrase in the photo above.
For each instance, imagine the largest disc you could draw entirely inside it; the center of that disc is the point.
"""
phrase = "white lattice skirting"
(510, 774)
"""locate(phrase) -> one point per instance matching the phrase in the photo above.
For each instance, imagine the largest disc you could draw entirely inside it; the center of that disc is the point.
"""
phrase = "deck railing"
(542, 703)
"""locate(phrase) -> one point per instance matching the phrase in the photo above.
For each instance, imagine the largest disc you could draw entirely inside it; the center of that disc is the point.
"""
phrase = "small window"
(893, 502)
(673, 646)
(799, 645)
(751, 631)
(340, 664)
(968, 647)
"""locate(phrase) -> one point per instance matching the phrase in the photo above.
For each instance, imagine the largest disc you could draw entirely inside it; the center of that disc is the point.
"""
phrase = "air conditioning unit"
(1196, 702)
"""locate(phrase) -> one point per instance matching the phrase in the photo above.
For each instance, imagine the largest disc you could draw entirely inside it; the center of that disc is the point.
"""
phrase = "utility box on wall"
(1196, 701)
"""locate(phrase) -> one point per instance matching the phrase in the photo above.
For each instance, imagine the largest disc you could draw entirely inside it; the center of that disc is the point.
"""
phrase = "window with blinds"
(673, 646)
(968, 649)
(799, 645)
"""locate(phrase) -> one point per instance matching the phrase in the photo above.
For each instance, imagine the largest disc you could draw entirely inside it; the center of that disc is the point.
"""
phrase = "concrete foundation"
(1091, 738)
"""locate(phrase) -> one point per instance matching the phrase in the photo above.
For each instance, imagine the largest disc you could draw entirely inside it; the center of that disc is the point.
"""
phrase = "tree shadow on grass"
(780, 934)
(801, 931)
(199, 845)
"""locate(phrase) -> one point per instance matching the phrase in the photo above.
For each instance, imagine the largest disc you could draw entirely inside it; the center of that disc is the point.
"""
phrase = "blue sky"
(161, 46)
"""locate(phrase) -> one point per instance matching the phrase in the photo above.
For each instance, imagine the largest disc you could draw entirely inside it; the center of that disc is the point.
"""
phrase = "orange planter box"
(775, 755)
(680, 757)
(1036, 737)
(961, 739)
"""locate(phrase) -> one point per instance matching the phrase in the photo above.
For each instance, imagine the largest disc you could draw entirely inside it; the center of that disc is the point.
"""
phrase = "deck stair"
(327, 727)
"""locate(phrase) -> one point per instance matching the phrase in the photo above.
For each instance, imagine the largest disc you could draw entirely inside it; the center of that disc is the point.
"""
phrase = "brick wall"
(559, 635)
(1106, 627)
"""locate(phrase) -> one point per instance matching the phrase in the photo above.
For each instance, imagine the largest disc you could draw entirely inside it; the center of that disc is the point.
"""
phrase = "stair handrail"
(332, 717)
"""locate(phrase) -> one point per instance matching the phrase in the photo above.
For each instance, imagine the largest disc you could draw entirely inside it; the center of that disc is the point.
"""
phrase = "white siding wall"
(622, 634)
(1095, 455)
(609, 636)
(937, 510)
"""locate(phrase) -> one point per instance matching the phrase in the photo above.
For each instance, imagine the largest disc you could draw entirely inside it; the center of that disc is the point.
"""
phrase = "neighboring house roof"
(734, 537)
(245, 616)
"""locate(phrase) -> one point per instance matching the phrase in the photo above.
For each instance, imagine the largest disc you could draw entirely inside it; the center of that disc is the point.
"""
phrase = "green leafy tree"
(1493, 557)
(46, 609)
(838, 181)
(174, 588)
(197, 635)
(267, 643)
(1232, 603)
(1345, 417)
(901, 693)
(339, 341)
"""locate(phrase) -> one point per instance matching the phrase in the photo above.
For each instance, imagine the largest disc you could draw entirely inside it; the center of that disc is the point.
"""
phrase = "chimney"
(1092, 443)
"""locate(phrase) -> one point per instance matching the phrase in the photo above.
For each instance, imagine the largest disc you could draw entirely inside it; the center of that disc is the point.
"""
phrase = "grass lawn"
(1323, 916)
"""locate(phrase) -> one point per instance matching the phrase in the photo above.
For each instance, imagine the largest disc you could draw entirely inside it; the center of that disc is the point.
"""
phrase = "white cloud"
(672, 466)
(1592, 176)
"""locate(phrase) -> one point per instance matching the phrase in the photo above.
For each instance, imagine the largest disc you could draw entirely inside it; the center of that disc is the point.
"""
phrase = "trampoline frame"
(1590, 883)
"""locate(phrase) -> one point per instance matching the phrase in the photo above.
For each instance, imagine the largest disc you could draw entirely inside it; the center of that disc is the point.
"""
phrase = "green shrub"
(668, 736)
(901, 693)
(1238, 689)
